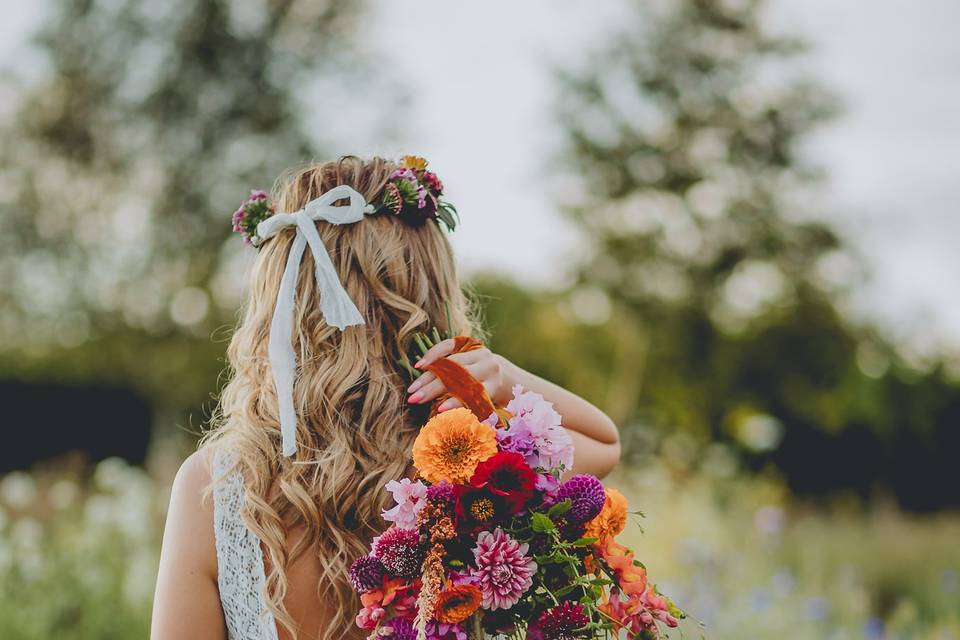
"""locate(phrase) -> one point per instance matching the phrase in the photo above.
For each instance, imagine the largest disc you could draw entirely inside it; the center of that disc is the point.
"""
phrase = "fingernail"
(412, 387)
(417, 364)
(414, 398)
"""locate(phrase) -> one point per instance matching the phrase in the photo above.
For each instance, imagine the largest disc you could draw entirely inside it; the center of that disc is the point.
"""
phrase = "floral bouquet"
(488, 540)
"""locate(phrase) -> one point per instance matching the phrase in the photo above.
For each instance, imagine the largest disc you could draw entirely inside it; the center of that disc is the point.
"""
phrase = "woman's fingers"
(465, 358)
(437, 351)
(428, 392)
(483, 370)
(428, 376)
(449, 403)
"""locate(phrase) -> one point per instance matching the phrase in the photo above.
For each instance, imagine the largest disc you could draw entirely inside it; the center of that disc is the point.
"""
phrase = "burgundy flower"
(430, 179)
(478, 507)
(507, 475)
(400, 551)
(560, 623)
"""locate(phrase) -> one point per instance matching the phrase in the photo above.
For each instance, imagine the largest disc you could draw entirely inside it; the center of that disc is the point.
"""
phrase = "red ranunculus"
(507, 475)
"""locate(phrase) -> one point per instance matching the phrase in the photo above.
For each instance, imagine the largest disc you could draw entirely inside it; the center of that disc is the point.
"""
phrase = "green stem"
(420, 345)
(446, 306)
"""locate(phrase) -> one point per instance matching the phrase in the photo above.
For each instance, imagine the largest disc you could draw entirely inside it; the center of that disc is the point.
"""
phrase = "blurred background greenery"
(796, 465)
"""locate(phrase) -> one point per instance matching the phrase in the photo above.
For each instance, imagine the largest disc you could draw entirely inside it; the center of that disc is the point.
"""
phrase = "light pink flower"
(504, 569)
(411, 498)
(552, 441)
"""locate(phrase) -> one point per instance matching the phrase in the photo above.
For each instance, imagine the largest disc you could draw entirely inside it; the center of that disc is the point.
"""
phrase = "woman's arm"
(595, 437)
(186, 605)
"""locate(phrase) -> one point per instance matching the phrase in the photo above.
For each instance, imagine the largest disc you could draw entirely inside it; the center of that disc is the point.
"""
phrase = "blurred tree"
(718, 278)
(142, 128)
(683, 135)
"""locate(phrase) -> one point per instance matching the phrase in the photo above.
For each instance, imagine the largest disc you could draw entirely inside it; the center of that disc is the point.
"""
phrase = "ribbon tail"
(282, 357)
(335, 304)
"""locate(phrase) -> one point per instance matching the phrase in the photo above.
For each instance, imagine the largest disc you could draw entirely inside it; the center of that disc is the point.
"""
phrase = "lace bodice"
(240, 573)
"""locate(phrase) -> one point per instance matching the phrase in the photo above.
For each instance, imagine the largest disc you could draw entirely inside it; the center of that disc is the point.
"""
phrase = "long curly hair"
(354, 426)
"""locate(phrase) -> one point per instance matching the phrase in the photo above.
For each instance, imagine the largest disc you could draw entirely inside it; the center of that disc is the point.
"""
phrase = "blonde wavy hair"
(354, 426)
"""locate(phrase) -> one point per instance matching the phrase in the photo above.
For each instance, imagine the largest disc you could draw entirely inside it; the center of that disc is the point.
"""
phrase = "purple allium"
(402, 629)
(400, 551)
(560, 623)
(366, 574)
(504, 568)
(585, 493)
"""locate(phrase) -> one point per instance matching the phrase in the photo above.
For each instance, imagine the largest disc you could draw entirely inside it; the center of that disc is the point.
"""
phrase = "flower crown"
(412, 193)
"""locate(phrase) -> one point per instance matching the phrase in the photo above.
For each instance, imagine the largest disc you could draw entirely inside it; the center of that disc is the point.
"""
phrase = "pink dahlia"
(504, 570)
(400, 551)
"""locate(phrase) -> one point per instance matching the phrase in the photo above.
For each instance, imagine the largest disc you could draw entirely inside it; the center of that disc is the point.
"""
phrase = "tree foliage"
(127, 154)
(684, 141)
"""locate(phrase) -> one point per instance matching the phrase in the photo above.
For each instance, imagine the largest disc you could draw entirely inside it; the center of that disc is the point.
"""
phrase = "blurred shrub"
(78, 556)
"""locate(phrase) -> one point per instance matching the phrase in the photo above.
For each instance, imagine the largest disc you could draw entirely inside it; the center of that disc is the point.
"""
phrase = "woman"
(288, 487)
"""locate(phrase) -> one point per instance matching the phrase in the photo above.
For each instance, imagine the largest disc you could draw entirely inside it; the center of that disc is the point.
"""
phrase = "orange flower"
(451, 445)
(632, 578)
(611, 520)
(457, 603)
(413, 162)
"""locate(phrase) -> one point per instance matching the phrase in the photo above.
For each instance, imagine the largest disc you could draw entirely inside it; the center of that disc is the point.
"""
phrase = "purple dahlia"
(586, 495)
(366, 574)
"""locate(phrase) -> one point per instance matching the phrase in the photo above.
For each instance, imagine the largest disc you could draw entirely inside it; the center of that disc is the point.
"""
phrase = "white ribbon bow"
(337, 307)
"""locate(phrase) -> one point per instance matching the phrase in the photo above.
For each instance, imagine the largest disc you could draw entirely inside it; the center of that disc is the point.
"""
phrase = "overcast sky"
(480, 78)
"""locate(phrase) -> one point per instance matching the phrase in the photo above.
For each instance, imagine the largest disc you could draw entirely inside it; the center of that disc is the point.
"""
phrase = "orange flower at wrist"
(451, 445)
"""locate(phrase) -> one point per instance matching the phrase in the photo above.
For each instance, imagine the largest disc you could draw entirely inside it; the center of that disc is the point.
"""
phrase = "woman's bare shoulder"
(190, 513)
(187, 602)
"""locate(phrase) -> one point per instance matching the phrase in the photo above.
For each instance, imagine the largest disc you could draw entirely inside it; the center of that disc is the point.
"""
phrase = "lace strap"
(240, 574)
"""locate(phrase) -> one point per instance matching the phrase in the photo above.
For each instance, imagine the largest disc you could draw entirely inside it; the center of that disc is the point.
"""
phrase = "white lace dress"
(240, 573)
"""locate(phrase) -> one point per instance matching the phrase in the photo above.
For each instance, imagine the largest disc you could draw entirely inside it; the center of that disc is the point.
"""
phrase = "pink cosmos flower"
(552, 441)
(504, 569)
(411, 498)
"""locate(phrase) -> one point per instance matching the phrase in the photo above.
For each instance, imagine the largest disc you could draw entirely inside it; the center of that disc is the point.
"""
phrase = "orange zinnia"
(451, 445)
(611, 520)
(456, 604)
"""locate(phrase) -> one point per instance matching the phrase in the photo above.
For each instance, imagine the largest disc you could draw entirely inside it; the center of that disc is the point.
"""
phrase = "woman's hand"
(483, 364)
